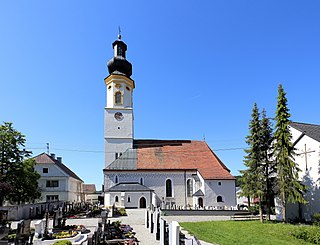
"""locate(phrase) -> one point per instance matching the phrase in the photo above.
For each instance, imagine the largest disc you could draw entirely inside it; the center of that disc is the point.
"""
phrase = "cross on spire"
(119, 34)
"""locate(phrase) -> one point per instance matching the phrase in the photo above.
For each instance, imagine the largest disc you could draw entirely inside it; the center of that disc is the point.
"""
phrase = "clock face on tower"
(118, 116)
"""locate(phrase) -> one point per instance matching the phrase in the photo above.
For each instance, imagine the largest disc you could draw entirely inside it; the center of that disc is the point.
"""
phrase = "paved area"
(135, 219)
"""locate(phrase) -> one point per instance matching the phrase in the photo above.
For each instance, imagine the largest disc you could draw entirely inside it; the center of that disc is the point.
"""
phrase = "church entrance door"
(200, 202)
(142, 203)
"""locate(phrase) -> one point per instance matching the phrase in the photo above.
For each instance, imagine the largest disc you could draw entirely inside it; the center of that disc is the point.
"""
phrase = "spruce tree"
(267, 159)
(290, 189)
(252, 177)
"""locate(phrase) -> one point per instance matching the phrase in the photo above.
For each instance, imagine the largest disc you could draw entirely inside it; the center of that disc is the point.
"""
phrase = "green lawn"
(243, 232)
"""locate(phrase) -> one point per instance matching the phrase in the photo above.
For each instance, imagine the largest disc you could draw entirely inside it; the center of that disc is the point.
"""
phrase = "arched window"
(118, 97)
(129, 199)
(219, 199)
(116, 179)
(116, 199)
(189, 188)
(168, 188)
(141, 181)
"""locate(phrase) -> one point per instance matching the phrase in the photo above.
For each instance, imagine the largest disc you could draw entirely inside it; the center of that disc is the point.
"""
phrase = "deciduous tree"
(17, 175)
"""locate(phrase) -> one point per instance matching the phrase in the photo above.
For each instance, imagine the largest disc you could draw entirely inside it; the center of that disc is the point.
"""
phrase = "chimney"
(59, 159)
(53, 155)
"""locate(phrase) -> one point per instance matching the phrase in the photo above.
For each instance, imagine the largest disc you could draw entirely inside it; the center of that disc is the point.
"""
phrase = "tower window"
(118, 97)
(219, 183)
(109, 87)
(141, 181)
(116, 199)
(128, 88)
(116, 180)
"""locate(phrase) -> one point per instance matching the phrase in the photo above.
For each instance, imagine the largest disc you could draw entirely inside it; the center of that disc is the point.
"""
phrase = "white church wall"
(127, 199)
(118, 129)
(113, 146)
(224, 188)
(157, 182)
(310, 171)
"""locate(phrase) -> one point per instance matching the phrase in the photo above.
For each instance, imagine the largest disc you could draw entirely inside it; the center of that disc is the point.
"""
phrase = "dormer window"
(118, 98)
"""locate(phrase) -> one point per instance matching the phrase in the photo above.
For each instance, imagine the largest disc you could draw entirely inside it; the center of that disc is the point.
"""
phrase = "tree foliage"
(290, 189)
(253, 178)
(18, 179)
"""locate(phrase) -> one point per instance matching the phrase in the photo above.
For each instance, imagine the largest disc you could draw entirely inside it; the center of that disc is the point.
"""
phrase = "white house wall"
(69, 189)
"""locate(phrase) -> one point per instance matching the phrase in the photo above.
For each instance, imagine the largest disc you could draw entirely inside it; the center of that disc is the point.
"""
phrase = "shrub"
(63, 242)
(122, 211)
(316, 219)
(308, 234)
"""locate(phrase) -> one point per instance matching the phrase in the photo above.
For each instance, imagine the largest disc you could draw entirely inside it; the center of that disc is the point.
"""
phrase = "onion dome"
(118, 64)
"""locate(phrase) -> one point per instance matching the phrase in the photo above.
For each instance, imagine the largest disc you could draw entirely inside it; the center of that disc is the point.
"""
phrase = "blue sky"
(198, 66)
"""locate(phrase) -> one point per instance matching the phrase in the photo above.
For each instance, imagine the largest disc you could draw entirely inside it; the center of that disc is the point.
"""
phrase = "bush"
(63, 242)
(254, 209)
(308, 234)
(122, 211)
(316, 219)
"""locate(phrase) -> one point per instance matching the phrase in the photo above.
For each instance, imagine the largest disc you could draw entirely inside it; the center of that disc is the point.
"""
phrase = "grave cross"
(305, 153)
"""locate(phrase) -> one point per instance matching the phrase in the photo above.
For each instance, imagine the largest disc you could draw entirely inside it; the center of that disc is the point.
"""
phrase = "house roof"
(311, 130)
(45, 158)
(89, 188)
(128, 187)
(173, 155)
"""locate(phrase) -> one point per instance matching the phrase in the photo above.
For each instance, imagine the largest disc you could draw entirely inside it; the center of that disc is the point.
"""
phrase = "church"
(162, 173)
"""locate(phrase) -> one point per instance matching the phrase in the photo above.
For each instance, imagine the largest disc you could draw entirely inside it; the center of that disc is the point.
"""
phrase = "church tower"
(118, 113)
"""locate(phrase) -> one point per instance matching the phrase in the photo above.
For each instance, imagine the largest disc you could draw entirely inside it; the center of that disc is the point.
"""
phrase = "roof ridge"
(311, 124)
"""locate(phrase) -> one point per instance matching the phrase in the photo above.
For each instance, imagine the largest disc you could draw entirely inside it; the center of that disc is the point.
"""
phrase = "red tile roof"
(180, 155)
(89, 188)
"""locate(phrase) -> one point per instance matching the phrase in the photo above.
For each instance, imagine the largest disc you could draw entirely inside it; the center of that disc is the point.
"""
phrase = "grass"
(244, 232)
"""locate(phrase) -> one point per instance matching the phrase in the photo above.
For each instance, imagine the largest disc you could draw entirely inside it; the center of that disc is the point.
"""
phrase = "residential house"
(57, 181)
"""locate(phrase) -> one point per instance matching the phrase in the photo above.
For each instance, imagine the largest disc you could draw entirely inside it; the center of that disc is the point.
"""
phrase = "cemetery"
(82, 223)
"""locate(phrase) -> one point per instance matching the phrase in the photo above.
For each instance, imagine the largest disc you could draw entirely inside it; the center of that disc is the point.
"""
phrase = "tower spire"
(119, 64)
(119, 34)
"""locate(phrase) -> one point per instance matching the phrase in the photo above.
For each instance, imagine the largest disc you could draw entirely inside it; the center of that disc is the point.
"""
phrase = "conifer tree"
(290, 190)
(267, 156)
(252, 177)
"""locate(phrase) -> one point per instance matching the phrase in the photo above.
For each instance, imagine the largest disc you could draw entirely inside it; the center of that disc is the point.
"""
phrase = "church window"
(116, 199)
(109, 87)
(189, 188)
(168, 188)
(52, 183)
(128, 88)
(45, 170)
(129, 199)
(141, 181)
(116, 179)
(219, 199)
(118, 97)
(116, 155)
(219, 183)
